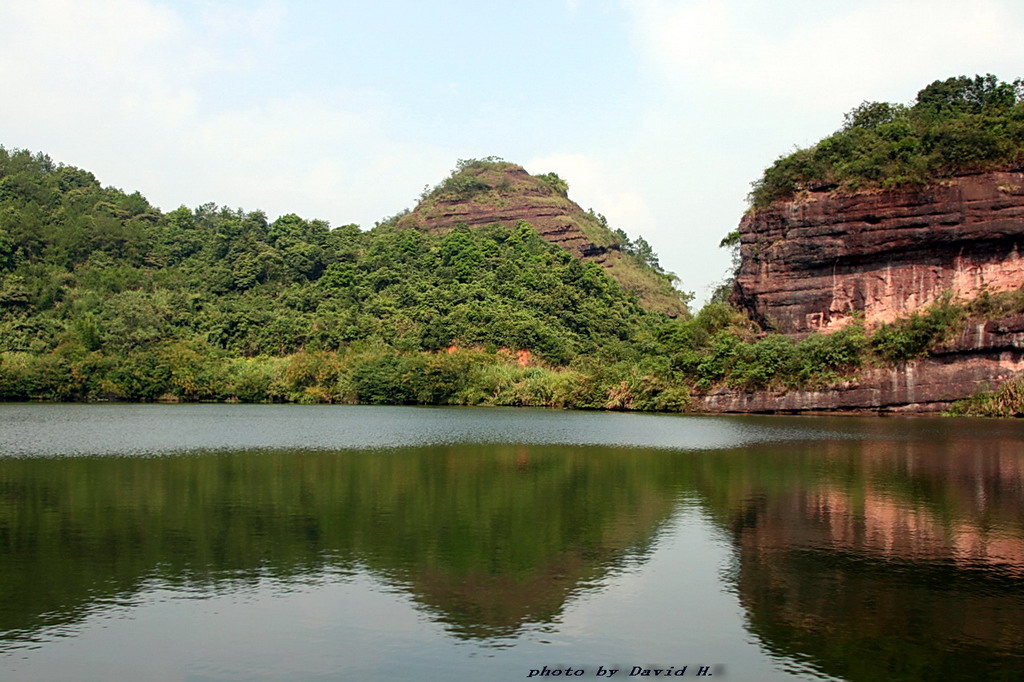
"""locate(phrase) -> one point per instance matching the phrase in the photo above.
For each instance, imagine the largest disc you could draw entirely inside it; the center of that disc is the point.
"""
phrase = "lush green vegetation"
(720, 346)
(495, 182)
(958, 125)
(916, 334)
(1007, 401)
(104, 297)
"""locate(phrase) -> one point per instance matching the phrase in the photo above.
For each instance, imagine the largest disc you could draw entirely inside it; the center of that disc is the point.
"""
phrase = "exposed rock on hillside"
(813, 261)
(505, 193)
(488, 192)
(817, 261)
(981, 358)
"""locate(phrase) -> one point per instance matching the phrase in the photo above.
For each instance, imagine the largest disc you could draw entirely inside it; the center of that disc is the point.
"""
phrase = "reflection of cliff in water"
(885, 559)
(485, 538)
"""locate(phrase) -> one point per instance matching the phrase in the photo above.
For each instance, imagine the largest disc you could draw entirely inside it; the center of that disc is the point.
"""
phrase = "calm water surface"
(222, 542)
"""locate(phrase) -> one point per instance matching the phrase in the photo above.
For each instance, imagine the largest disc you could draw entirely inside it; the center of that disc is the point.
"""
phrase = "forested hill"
(105, 297)
(487, 191)
(114, 298)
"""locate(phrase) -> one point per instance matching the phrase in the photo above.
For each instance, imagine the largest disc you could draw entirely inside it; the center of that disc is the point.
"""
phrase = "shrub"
(1008, 401)
(26, 376)
(918, 333)
(957, 125)
(823, 358)
(252, 379)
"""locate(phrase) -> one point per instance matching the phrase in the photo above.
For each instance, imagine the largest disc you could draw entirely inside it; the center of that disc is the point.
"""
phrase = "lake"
(267, 542)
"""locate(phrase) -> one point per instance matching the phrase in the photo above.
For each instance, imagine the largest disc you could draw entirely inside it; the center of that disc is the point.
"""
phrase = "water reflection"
(887, 549)
(885, 559)
(487, 538)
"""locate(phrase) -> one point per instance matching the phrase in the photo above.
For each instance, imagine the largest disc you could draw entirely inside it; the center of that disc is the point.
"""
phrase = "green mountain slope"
(490, 191)
(104, 296)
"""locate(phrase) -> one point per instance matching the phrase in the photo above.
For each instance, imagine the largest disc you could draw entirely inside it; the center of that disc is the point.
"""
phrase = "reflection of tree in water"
(588, 515)
(881, 559)
(486, 538)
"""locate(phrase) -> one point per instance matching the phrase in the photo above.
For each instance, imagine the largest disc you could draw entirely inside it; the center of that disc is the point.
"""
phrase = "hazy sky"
(659, 113)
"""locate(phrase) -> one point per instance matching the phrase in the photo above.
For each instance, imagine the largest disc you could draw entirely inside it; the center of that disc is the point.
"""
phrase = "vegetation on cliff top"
(958, 125)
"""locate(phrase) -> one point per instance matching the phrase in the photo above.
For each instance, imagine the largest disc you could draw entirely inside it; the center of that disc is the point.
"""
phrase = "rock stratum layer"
(818, 261)
(506, 196)
(812, 262)
(503, 193)
(981, 358)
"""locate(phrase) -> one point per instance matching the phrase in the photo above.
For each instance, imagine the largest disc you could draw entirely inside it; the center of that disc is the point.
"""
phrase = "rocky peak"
(491, 191)
(483, 192)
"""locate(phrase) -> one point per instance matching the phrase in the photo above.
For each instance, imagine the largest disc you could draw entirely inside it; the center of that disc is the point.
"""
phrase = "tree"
(963, 95)
(871, 115)
(556, 183)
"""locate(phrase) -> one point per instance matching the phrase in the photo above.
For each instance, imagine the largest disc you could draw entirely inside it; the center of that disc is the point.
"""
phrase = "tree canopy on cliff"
(958, 125)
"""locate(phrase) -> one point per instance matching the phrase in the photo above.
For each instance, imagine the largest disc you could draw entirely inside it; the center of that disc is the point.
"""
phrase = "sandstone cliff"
(817, 261)
(811, 262)
(979, 359)
(489, 192)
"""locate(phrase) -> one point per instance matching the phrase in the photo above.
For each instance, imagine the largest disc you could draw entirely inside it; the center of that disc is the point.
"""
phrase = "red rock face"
(555, 218)
(812, 262)
(981, 358)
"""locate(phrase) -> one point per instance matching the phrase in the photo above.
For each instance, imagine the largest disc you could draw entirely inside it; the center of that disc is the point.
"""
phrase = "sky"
(658, 113)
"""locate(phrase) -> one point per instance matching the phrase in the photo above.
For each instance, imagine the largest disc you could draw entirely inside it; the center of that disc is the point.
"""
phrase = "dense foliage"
(957, 125)
(102, 296)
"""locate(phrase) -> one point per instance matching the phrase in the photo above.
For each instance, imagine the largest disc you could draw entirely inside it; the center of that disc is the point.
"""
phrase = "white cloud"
(131, 91)
(260, 23)
(736, 83)
(826, 62)
(87, 55)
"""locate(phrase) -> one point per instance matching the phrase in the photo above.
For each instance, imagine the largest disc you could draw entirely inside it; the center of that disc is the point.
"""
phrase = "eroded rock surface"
(514, 195)
(811, 262)
(980, 359)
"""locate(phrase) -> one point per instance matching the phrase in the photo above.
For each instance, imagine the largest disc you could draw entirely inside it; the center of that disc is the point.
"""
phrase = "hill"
(490, 191)
(103, 296)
